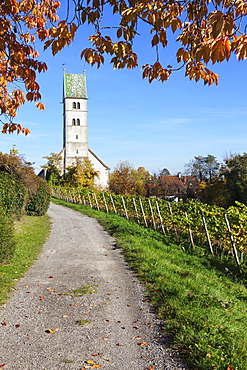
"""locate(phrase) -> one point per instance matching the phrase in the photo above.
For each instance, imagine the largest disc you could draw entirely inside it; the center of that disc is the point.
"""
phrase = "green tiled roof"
(75, 86)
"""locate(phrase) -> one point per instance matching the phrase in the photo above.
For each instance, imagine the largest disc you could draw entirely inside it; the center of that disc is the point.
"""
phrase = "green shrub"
(12, 195)
(7, 243)
(39, 202)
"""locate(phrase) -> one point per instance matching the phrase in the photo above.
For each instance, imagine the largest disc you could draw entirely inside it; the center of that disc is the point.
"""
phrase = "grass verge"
(202, 305)
(30, 235)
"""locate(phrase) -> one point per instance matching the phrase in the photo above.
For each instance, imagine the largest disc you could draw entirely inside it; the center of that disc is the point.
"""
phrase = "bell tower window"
(73, 121)
(76, 136)
(78, 122)
(74, 105)
(78, 105)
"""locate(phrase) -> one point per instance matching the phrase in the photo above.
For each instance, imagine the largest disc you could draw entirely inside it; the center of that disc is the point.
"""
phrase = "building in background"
(75, 128)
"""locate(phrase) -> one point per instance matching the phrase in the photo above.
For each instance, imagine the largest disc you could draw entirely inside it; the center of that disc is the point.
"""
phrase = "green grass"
(80, 292)
(83, 322)
(202, 304)
(30, 235)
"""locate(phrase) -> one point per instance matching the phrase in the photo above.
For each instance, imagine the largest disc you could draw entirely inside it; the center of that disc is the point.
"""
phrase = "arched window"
(73, 121)
(77, 151)
(76, 136)
(74, 105)
(78, 106)
(78, 122)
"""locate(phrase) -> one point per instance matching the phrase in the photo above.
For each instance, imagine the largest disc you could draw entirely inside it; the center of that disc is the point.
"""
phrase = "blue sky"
(152, 125)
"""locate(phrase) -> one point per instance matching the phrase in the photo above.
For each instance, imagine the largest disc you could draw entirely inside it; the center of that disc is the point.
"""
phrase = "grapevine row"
(192, 223)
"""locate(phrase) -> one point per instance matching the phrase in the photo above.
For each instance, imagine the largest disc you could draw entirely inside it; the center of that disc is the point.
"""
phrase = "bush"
(7, 243)
(39, 202)
(12, 195)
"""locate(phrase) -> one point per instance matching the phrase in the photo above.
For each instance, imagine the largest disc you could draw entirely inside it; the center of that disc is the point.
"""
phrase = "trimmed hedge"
(7, 242)
(12, 195)
(39, 202)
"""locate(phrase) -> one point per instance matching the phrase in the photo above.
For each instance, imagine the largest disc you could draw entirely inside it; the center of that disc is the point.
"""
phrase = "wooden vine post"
(190, 232)
(161, 220)
(136, 211)
(113, 204)
(125, 210)
(174, 227)
(106, 206)
(235, 253)
(96, 201)
(152, 214)
(143, 214)
(90, 203)
(207, 234)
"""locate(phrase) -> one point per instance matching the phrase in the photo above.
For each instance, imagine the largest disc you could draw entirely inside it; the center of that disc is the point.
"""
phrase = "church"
(75, 128)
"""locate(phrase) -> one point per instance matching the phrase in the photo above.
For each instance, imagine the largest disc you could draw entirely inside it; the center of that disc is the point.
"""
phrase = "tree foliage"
(206, 33)
(204, 168)
(53, 168)
(127, 180)
(230, 184)
(80, 174)
(19, 185)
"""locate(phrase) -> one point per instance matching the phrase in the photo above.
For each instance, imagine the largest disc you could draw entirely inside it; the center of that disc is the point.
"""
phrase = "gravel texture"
(121, 331)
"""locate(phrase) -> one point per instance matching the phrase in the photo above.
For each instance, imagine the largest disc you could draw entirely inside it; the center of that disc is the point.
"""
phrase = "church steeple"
(75, 118)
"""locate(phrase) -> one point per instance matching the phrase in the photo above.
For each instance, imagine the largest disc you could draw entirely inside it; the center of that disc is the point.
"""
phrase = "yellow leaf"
(51, 330)
(90, 362)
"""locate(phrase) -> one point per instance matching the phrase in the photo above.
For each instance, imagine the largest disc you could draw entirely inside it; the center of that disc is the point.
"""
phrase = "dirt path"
(79, 253)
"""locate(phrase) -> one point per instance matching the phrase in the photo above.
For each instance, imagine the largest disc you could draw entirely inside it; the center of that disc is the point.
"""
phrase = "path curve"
(81, 253)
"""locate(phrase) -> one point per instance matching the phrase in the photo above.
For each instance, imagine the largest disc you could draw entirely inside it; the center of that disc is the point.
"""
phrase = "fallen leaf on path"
(40, 313)
(3, 365)
(138, 338)
(142, 344)
(73, 304)
(118, 344)
(96, 354)
(136, 327)
(17, 325)
(152, 367)
(4, 323)
(108, 320)
(89, 362)
(106, 338)
(50, 331)
(65, 316)
(50, 277)
(41, 297)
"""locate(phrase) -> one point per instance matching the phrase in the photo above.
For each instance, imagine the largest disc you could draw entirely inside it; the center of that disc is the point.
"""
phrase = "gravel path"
(121, 331)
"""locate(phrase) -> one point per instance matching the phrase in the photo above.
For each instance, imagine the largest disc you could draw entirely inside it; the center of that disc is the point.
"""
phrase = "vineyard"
(189, 224)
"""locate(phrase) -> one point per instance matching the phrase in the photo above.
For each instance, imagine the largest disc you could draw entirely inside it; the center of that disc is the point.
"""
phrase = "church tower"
(75, 140)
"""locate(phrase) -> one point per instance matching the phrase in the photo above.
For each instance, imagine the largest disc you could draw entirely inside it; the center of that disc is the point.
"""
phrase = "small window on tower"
(74, 105)
(73, 121)
(77, 151)
(76, 136)
(78, 122)
(78, 106)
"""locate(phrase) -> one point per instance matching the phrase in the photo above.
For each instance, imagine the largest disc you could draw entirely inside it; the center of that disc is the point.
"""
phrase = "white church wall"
(102, 180)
